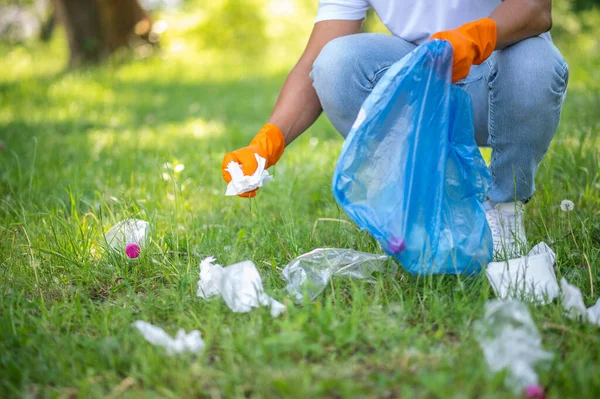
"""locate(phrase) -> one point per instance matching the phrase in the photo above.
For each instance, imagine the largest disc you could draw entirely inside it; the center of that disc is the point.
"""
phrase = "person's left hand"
(472, 43)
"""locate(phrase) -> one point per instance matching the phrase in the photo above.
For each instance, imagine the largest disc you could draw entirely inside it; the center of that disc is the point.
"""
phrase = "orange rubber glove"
(269, 143)
(472, 43)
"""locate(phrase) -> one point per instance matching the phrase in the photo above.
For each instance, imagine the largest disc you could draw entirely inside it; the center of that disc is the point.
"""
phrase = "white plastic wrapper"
(510, 340)
(240, 286)
(312, 271)
(573, 303)
(182, 342)
(128, 236)
(593, 313)
(241, 183)
(529, 278)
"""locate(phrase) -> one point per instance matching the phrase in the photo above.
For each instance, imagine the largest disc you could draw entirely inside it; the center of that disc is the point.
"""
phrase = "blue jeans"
(517, 97)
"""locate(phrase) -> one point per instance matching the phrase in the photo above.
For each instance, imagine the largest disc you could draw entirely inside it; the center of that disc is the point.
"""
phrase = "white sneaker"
(506, 222)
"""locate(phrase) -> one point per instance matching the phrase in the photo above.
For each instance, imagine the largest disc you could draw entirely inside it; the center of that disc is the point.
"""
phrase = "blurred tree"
(47, 26)
(581, 5)
(96, 28)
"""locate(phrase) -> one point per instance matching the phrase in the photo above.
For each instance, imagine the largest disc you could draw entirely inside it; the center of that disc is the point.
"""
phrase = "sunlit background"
(273, 31)
(111, 109)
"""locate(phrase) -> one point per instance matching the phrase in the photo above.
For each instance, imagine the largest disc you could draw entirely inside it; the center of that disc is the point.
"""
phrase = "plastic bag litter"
(575, 307)
(240, 286)
(510, 340)
(410, 172)
(128, 237)
(241, 183)
(313, 270)
(530, 277)
(182, 342)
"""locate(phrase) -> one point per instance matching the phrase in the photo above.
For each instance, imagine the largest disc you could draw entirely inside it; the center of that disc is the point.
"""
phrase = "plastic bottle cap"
(535, 392)
(396, 245)
(133, 250)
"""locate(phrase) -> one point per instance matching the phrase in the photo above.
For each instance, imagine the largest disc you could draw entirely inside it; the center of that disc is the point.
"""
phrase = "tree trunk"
(96, 28)
(48, 26)
(125, 20)
(81, 18)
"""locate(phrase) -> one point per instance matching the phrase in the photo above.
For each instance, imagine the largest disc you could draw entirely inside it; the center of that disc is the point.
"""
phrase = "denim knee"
(338, 78)
(533, 74)
(347, 70)
(332, 70)
(527, 85)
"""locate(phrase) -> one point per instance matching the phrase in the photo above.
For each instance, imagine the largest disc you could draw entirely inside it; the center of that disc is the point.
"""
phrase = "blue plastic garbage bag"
(410, 172)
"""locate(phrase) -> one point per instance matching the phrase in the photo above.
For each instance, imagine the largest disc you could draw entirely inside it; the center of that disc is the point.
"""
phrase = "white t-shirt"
(412, 20)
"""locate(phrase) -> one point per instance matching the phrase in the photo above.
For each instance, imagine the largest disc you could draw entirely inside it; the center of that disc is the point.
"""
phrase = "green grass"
(86, 149)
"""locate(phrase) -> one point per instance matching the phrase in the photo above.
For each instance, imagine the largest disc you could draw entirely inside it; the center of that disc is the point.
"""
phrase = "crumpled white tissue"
(240, 286)
(573, 303)
(182, 342)
(510, 340)
(240, 183)
(529, 277)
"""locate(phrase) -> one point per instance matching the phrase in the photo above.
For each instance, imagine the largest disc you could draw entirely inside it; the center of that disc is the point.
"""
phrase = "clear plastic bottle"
(128, 236)
(312, 271)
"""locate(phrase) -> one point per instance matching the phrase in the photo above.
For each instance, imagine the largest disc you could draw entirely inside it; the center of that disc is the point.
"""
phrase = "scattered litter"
(240, 183)
(240, 286)
(510, 340)
(312, 271)
(529, 277)
(128, 236)
(573, 303)
(182, 342)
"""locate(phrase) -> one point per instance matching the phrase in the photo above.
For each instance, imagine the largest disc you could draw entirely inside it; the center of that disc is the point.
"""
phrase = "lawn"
(86, 149)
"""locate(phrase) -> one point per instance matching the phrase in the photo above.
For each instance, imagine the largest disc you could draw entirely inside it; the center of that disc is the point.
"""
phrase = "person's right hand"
(269, 143)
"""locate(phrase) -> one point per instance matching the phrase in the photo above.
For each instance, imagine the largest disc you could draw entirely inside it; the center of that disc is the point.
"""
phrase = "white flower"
(567, 205)
(179, 168)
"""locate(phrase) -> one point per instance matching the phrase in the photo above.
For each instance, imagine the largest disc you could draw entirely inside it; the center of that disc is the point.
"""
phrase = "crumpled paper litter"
(574, 306)
(182, 342)
(240, 286)
(241, 183)
(529, 277)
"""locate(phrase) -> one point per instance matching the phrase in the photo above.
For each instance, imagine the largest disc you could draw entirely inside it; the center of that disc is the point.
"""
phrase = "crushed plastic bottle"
(312, 271)
(128, 236)
(510, 340)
